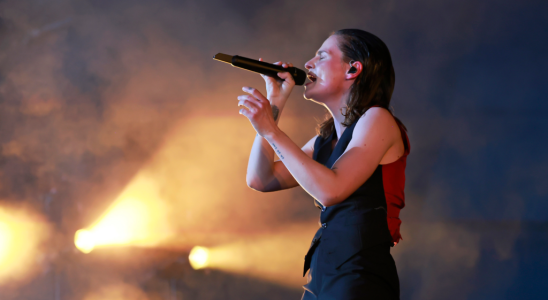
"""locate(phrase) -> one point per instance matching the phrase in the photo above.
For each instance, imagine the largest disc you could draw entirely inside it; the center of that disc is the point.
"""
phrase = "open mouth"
(311, 77)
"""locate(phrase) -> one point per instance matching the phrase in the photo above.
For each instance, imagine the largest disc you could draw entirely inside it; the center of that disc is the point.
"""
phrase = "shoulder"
(376, 117)
(377, 123)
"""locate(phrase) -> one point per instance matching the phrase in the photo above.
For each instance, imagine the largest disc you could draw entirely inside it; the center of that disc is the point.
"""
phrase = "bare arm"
(375, 133)
(266, 175)
(263, 173)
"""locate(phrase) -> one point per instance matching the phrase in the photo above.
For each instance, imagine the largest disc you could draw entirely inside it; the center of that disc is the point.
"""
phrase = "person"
(354, 168)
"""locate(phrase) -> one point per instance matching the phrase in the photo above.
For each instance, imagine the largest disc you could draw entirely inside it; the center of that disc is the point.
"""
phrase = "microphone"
(261, 67)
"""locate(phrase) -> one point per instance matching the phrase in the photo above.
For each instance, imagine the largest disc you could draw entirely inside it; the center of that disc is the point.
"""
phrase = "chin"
(310, 97)
(310, 94)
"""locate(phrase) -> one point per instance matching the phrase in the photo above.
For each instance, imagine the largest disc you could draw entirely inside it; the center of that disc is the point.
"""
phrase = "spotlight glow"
(137, 217)
(274, 256)
(179, 200)
(84, 240)
(21, 234)
(5, 240)
(199, 257)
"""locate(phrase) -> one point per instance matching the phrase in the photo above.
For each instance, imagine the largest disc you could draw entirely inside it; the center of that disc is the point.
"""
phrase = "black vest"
(357, 222)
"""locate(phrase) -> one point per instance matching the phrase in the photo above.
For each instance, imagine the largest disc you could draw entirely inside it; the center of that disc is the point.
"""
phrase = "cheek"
(330, 81)
(332, 76)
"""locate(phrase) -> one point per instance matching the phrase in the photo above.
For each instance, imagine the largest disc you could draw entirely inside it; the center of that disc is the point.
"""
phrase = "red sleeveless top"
(393, 178)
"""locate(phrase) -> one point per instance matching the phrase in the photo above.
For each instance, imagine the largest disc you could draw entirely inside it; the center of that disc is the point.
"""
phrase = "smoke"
(438, 256)
(119, 291)
(276, 256)
(95, 94)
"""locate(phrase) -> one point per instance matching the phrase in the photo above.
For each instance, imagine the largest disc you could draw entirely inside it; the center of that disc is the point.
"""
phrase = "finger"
(251, 98)
(283, 64)
(249, 102)
(286, 77)
(244, 112)
(255, 93)
(287, 64)
(254, 101)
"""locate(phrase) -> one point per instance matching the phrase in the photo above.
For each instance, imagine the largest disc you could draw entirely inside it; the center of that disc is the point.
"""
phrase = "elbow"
(255, 187)
(326, 202)
(262, 185)
(330, 199)
(253, 184)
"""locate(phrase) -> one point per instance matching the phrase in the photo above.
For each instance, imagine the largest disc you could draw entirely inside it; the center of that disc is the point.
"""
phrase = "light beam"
(274, 256)
(137, 217)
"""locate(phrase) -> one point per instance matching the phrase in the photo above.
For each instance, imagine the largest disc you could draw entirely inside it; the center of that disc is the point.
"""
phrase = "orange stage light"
(274, 256)
(188, 194)
(21, 234)
(137, 217)
(199, 257)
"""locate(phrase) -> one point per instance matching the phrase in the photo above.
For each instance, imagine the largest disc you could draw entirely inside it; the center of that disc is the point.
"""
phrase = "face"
(327, 73)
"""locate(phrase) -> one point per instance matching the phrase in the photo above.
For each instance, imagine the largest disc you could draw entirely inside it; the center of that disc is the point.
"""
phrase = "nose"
(309, 64)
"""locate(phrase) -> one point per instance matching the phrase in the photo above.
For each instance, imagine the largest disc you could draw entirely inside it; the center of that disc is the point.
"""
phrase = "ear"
(354, 69)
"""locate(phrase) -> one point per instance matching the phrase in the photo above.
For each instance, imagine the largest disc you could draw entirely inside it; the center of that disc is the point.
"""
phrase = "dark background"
(91, 90)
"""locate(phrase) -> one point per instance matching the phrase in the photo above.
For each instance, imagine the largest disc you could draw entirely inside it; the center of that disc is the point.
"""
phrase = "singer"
(354, 167)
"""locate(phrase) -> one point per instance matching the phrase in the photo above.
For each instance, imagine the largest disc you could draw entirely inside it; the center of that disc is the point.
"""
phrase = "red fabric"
(393, 178)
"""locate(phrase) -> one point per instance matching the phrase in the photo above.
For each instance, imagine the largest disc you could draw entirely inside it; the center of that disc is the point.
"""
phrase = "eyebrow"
(321, 51)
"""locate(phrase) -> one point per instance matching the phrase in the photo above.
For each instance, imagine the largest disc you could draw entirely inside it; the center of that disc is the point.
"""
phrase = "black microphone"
(261, 67)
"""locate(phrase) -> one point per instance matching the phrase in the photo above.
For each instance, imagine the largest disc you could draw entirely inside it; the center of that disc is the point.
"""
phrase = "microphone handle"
(268, 69)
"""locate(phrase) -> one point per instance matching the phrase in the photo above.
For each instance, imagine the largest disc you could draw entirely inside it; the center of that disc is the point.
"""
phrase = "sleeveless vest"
(369, 216)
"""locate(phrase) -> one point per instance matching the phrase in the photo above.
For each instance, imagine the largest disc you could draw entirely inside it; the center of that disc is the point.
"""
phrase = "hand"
(258, 110)
(277, 91)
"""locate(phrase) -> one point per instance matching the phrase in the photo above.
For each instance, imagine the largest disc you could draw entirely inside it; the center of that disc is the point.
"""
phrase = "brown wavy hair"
(373, 86)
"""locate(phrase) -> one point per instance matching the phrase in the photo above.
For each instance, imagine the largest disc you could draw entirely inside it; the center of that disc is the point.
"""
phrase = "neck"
(334, 108)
